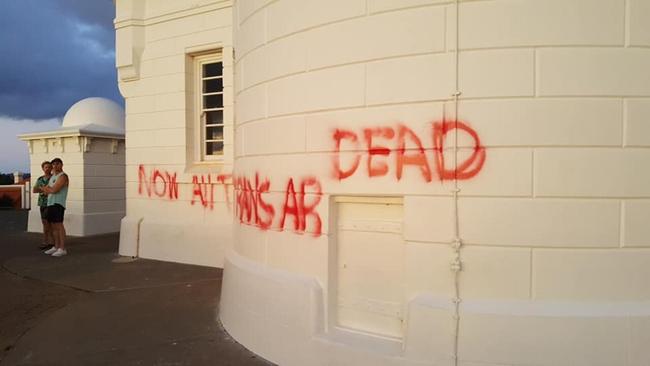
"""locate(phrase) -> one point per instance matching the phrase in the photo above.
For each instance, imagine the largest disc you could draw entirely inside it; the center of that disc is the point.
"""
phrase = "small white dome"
(98, 111)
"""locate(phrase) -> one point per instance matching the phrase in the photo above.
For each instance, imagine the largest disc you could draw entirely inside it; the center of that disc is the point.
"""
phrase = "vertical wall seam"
(621, 224)
(456, 265)
(535, 72)
(532, 173)
(624, 117)
(530, 274)
(626, 25)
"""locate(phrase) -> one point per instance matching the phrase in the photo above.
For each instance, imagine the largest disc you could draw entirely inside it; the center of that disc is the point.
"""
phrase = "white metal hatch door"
(370, 265)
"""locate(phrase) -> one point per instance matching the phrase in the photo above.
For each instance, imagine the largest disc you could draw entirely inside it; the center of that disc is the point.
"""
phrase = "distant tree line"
(9, 178)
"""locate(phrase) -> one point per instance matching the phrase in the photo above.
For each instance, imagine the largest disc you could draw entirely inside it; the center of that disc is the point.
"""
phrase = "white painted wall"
(154, 40)
(555, 247)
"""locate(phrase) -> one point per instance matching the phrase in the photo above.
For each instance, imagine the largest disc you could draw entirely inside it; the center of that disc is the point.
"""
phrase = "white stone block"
(544, 341)
(639, 351)
(247, 7)
(496, 73)
(252, 33)
(512, 23)
(190, 24)
(170, 102)
(638, 22)
(377, 6)
(544, 122)
(583, 274)
(406, 32)
(251, 104)
(592, 172)
(281, 57)
(428, 219)
(636, 230)
(249, 243)
(290, 16)
(164, 66)
(411, 79)
(506, 172)
(161, 48)
(155, 120)
(302, 254)
(540, 222)
(637, 122)
(326, 89)
(275, 136)
(488, 273)
(593, 72)
(495, 273)
(156, 155)
(142, 104)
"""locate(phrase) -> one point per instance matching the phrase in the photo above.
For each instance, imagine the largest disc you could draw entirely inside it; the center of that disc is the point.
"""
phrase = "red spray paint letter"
(418, 158)
(293, 209)
(336, 160)
(309, 210)
(471, 166)
(381, 168)
(262, 187)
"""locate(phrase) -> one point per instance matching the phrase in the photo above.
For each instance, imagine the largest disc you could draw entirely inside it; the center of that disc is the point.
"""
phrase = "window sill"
(209, 166)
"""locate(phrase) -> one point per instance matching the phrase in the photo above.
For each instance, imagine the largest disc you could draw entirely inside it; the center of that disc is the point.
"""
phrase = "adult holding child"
(41, 182)
(57, 193)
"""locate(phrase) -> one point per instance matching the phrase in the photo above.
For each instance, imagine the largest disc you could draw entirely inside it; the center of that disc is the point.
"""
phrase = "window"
(209, 105)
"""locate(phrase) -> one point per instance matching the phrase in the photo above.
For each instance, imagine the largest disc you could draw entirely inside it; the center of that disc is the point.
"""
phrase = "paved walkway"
(87, 309)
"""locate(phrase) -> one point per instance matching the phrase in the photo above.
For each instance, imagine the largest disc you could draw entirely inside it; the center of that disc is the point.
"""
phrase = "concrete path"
(87, 309)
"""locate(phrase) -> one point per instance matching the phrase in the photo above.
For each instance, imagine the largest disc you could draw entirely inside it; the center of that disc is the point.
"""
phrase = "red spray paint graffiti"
(386, 149)
(250, 205)
(164, 184)
(378, 153)
(203, 190)
(160, 183)
(252, 208)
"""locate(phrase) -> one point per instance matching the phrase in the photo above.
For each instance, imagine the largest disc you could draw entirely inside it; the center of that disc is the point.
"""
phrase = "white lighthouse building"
(414, 182)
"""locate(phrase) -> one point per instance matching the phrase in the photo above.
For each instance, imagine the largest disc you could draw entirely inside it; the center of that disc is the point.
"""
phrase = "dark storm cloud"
(54, 53)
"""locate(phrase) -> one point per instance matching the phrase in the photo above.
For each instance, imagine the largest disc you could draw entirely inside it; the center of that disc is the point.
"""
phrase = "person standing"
(57, 193)
(48, 238)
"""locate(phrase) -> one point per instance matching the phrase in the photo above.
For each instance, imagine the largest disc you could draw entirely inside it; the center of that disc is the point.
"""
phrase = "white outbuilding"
(90, 142)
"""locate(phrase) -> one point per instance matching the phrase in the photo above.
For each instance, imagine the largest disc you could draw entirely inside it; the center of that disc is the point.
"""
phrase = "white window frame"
(200, 111)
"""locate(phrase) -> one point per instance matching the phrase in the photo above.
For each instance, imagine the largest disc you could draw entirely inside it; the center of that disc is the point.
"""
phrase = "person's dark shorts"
(55, 213)
(43, 212)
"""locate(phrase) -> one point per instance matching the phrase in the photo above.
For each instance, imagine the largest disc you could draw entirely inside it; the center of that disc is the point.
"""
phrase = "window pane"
(212, 85)
(213, 101)
(214, 133)
(213, 69)
(213, 117)
(214, 148)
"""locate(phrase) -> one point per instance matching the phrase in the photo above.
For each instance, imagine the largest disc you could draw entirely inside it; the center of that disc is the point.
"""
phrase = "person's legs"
(61, 236)
(46, 231)
(54, 230)
(50, 233)
(48, 239)
(56, 219)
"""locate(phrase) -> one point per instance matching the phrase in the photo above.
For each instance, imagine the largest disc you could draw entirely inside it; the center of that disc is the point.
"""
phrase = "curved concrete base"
(281, 317)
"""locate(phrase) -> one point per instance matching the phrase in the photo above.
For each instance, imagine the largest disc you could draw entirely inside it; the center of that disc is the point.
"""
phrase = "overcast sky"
(53, 54)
